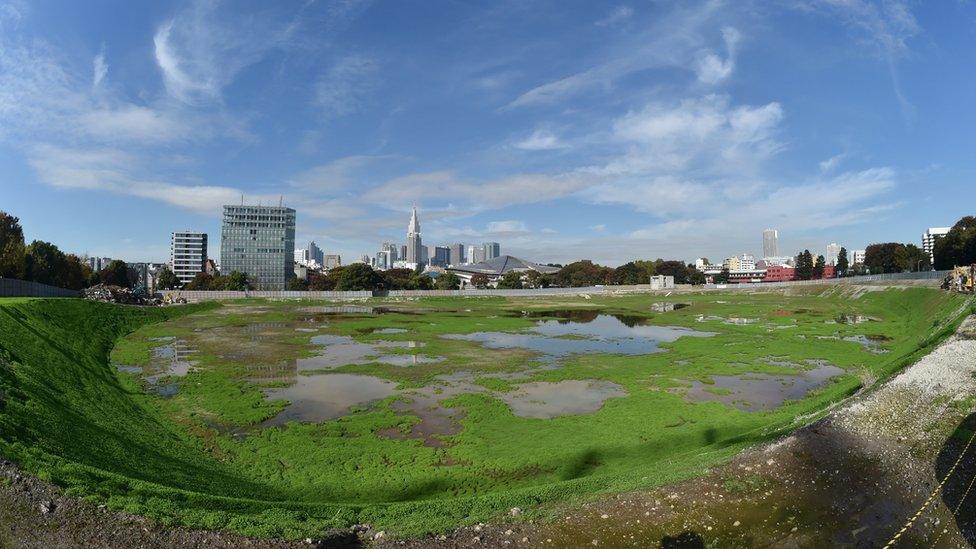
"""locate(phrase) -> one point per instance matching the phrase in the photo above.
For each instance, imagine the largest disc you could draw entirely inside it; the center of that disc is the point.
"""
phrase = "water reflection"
(600, 334)
(323, 397)
(755, 391)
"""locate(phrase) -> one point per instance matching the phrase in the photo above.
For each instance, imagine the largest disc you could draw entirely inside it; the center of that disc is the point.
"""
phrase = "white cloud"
(670, 41)
(128, 121)
(200, 51)
(541, 140)
(99, 69)
(708, 132)
(341, 89)
(711, 68)
(113, 170)
(828, 165)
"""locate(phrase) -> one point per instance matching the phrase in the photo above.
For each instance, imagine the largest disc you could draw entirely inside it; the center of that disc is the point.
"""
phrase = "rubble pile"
(117, 294)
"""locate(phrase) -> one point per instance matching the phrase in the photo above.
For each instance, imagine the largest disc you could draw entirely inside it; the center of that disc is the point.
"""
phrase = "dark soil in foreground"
(853, 479)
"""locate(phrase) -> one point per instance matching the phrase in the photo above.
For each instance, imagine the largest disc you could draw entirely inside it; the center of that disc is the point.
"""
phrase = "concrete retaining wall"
(11, 287)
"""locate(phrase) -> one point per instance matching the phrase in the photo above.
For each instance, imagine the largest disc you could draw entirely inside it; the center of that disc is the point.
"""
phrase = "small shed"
(661, 282)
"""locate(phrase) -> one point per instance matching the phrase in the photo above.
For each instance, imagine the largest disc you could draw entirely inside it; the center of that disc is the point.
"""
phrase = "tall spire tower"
(414, 246)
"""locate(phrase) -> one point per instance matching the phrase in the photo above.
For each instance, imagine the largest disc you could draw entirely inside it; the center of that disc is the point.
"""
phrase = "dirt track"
(853, 478)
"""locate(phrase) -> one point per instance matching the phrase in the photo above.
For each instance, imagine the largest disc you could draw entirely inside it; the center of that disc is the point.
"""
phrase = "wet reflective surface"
(754, 392)
(327, 396)
(343, 350)
(602, 334)
(547, 400)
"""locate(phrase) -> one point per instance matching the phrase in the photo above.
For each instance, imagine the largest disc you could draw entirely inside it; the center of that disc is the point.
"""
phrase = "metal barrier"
(12, 287)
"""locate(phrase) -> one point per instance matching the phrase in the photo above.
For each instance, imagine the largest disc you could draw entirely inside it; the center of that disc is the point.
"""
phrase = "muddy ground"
(855, 478)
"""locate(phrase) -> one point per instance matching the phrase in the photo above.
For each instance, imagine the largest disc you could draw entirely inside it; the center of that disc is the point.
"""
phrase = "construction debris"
(118, 294)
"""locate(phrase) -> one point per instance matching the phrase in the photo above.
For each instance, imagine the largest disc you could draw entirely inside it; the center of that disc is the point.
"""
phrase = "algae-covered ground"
(292, 418)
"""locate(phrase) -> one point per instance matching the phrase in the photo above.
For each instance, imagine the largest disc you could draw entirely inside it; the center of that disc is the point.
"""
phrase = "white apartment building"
(187, 254)
(857, 257)
(930, 236)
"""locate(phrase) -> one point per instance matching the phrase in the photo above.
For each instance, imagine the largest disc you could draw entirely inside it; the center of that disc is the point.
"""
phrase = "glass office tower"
(259, 241)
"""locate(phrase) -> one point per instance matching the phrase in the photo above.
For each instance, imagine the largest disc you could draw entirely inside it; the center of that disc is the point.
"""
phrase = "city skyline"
(681, 131)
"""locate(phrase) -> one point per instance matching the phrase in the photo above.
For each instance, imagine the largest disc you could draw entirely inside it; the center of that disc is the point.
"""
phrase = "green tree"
(297, 285)
(76, 273)
(677, 269)
(45, 263)
(630, 274)
(318, 282)
(116, 274)
(235, 281)
(958, 247)
(512, 280)
(843, 263)
(804, 265)
(397, 279)
(884, 257)
(722, 277)
(479, 281)
(448, 281)
(696, 277)
(357, 277)
(819, 267)
(535, 279)
(202, 281)
(910, 258)
(583, 273)
(420, 281)
(12, 249)
(166, 279)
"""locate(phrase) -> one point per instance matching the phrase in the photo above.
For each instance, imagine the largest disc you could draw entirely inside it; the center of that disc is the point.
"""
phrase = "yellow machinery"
(961, 279)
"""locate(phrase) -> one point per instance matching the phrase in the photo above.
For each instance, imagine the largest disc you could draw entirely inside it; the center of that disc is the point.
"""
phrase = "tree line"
(957, 248)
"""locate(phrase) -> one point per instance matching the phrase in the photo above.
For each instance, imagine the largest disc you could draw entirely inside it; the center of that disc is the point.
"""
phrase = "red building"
(779, 273)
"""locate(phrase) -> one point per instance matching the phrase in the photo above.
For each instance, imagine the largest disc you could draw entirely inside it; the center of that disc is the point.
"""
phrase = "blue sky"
(562, 129)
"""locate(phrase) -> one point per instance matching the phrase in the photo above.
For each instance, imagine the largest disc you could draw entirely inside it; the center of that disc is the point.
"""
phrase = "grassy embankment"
(68, 416)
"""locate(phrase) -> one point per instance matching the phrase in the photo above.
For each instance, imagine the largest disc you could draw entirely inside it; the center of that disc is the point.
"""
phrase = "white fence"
(541, 292)
(11, 287)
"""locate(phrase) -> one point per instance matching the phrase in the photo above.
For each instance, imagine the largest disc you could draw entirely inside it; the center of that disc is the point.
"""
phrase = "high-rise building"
(315, 254)
(770, 243)
(415, 252)
(476, 254)
(302, 257)
(930, 236)
(857, 257)
(440, 256)
(259, 241)
(394, 250)
(187, 254)
(492, 250)
(332, 261)
(383, 260)
(457, 254)
(833, 252)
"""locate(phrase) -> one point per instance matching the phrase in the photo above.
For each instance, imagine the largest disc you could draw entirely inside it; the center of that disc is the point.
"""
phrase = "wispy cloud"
(541, 140)
(510, 226)
(99, 69)
(830, 164)
(711, 68)
(341, 90)
(670, 41)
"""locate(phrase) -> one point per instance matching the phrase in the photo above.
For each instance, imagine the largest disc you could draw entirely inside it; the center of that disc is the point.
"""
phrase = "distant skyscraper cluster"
(415, 254)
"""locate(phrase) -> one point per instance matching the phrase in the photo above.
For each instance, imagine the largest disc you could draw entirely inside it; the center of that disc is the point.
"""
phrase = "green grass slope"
(68, 416)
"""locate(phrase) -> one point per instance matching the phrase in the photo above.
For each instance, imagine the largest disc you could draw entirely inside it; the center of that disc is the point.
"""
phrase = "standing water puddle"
(545, 400)
(754, 391)
(343, 350)
(323, 397)
(170, 360)
(603, 334)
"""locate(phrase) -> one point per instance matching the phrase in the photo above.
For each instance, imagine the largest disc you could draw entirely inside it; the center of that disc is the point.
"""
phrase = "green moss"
(201, 458)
